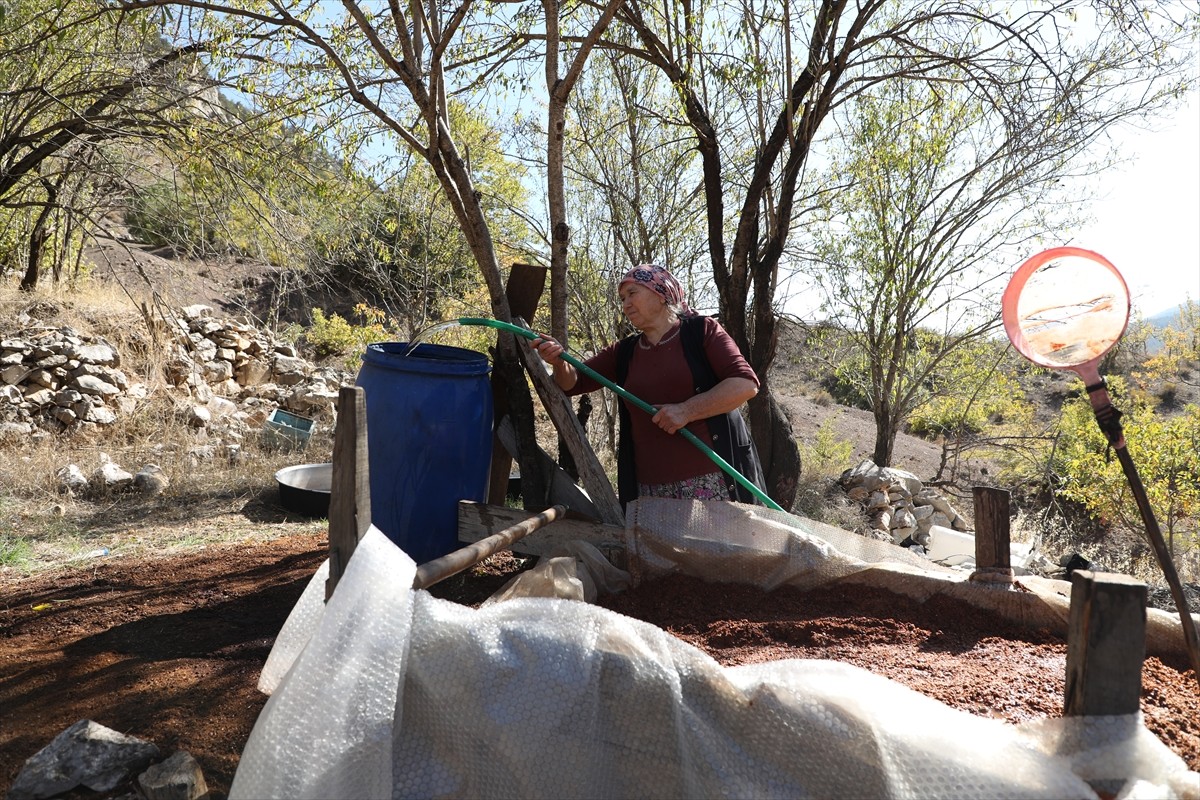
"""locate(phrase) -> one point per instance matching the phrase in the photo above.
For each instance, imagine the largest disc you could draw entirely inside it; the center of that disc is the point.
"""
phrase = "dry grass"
(221, 487)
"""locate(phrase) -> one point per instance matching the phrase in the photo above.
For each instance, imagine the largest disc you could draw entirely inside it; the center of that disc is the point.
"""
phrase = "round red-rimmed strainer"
(1064, 308)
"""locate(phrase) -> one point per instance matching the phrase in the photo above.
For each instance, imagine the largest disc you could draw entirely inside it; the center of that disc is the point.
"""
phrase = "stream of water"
(427, 332)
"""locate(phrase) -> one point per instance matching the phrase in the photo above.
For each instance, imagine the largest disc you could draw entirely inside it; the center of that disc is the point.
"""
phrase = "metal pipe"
(439, 569)
(1109, 420)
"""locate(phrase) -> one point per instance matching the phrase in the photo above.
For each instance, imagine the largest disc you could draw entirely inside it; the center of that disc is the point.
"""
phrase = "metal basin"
(305, 488)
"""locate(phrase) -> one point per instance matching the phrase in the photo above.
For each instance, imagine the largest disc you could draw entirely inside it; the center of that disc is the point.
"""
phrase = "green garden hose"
(725, 466)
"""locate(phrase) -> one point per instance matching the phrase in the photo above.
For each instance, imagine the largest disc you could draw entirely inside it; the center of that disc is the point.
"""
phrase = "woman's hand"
(722, 398)
(671, 417)
(549, 349)
(552, 353)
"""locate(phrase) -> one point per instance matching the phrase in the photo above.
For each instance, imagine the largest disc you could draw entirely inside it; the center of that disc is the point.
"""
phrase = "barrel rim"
(427, 358)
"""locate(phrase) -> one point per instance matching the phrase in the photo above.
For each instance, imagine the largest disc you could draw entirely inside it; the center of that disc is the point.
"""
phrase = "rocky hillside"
(224, 374)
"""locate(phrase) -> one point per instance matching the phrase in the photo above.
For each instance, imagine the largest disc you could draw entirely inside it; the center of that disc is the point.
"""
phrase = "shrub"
(827, 455)
(334, 336)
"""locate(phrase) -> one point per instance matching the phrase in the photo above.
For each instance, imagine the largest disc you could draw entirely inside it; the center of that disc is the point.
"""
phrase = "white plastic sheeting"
(389, 692)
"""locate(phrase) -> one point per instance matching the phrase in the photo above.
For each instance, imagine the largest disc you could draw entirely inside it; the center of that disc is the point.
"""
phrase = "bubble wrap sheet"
(389, 692)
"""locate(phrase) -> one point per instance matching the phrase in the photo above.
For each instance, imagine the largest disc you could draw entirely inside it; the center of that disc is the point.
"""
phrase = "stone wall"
(60, 380)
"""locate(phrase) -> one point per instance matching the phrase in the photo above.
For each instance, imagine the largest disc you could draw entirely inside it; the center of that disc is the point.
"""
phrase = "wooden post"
(993, 557)
(350, 493)
(524, 288)
(591, 472)
(1106, 644)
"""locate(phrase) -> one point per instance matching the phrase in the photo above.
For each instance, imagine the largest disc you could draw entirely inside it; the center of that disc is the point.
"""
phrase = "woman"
(687, 367)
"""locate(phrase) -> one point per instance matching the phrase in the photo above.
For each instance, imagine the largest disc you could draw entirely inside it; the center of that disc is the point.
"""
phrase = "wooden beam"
(562, 490)
(477, 521)
(524, 288)
(350, 491)
(591, 472)
(463, 558)
(1106, 644)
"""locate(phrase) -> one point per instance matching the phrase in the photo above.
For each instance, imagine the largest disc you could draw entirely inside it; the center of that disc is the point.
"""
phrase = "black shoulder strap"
(627, 487)
(624, 356)
(691, 336)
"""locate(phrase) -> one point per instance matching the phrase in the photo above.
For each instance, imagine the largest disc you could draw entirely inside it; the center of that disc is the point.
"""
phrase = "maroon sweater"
(660, 375)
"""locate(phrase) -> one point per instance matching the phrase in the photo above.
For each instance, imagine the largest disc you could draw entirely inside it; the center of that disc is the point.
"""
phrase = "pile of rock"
(60, 380)
(900, 507)
(224, 358)
(92, 757)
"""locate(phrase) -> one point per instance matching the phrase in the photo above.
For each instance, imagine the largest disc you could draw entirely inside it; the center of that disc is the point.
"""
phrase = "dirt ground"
(169, 649)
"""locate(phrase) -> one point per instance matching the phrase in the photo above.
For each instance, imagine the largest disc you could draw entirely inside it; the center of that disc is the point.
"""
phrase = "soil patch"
(962, 656)
(170, 648)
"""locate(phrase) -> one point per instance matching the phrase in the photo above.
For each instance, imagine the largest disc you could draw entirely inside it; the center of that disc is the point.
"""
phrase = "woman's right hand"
(549, 349)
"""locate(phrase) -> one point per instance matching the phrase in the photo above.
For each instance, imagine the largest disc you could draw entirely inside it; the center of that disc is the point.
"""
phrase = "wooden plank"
(477, 521)
(350, 492)
(591, 472)
(563, 490)
(1106, 644)
(524, 288)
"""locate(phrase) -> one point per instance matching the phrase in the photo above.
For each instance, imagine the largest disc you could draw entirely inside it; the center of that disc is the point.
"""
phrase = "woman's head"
(659, 281)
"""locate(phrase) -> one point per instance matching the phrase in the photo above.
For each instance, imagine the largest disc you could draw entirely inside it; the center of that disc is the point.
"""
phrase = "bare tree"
(364, 67)
(936, 203)
(758, 81)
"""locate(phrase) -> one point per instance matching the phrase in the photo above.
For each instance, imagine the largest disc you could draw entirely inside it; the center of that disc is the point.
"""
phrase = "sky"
(1147, 212)
(1145, 216)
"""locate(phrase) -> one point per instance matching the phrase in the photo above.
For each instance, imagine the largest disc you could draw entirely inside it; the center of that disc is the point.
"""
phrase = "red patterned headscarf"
(657, 278)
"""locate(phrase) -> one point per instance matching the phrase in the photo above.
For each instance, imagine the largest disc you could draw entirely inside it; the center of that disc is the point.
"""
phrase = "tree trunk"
(37, 240)
(885, 436)
(535, 484)
(556, 200)
(772, 431)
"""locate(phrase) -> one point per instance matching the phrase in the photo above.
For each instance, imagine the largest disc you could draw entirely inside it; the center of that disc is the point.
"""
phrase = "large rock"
(177, 778)
(71, 479)
(103, 353)
(90, 384)
(151, 480)
(86, 754)
(111, 477)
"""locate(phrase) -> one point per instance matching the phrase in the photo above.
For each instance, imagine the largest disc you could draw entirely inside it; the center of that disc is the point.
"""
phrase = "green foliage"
(968, 393)
(400, 243)
(827, 455)
(847, 383)
(70, 67)
(1179, 353)
(159, 214)
(1166, 452)
(334, 336)
(15, 551)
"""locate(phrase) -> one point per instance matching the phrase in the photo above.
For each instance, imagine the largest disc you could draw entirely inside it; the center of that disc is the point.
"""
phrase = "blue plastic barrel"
(429, 441)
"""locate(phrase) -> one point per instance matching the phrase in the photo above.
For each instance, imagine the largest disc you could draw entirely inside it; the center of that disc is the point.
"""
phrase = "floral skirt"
(703, 487)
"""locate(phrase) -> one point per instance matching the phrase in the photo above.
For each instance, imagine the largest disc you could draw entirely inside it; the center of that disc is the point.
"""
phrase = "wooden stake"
(992, 533)
(350, 492)
(1106, 644)
(993, 558)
